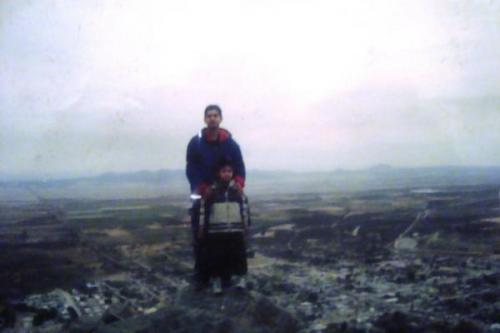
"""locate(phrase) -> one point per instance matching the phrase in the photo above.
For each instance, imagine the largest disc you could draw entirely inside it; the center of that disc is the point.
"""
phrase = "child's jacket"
(227, 210)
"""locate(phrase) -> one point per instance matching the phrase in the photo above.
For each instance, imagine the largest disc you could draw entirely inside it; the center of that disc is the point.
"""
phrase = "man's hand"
(205, 190)
(238, 188)
(207, 193)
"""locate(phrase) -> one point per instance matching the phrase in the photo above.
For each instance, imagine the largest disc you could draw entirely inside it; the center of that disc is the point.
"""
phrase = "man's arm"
(193, 165)
(239, 166)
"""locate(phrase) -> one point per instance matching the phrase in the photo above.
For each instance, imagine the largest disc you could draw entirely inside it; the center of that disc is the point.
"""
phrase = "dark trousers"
(223, 255)
(197, 244)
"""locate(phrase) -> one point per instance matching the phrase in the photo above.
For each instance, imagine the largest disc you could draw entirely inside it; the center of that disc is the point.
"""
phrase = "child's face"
(226, 173)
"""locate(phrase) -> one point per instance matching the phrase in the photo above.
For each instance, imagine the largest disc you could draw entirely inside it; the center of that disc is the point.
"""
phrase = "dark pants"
(224, 255)
(197, 244)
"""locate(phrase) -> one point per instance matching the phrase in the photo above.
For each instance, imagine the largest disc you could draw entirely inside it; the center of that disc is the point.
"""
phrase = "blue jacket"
(203, 156)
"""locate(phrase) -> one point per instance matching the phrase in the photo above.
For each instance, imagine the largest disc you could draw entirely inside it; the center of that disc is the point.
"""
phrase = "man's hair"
(213, 107)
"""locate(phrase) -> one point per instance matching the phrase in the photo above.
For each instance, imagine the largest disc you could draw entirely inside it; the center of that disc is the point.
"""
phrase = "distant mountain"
(380, 168)
(142, 176)
(377, 175)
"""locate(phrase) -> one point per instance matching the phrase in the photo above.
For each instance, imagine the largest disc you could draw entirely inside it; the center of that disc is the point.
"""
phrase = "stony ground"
(390, 261)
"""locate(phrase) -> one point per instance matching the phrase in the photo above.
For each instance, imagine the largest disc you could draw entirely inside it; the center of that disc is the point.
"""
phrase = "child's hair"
(223, 163)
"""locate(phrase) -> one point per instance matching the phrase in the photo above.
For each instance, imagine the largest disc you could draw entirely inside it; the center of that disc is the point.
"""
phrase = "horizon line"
(377, 167)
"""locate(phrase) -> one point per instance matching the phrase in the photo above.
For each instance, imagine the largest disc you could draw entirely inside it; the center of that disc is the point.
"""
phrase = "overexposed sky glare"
(90, 87)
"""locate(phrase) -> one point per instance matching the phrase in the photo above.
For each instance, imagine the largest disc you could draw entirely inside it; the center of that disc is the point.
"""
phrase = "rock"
(306, 309)
(494, 328)
(488, 314)
(396, 322)
(405, 243)
(437, 327)
(226, 326)
(268, 314)
(343, 328)
(309, 296)
(179, 320)
(492, 278)
(318, 327)
(466, 327)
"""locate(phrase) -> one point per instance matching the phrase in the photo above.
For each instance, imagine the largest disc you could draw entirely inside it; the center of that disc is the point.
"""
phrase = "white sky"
(93, 86)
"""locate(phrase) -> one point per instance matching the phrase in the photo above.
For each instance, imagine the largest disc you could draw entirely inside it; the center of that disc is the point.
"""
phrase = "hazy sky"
(94, 86)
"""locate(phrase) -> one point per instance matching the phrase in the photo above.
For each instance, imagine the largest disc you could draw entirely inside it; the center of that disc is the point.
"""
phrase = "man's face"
(213, 119)
(226, 174)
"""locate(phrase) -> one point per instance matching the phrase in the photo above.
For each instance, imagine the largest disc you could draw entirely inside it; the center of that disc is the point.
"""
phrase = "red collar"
(222, 135)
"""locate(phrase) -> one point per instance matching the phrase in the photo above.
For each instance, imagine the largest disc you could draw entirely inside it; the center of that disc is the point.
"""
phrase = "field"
(380, 260)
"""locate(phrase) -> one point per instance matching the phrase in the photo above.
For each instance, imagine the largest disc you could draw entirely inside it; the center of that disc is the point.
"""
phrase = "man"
(204, 152)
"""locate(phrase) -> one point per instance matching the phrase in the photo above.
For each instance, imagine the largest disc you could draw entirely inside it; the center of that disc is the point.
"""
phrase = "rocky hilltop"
(418, 259)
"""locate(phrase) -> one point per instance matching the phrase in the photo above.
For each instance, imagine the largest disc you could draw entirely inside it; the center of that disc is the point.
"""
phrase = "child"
(223, 233)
